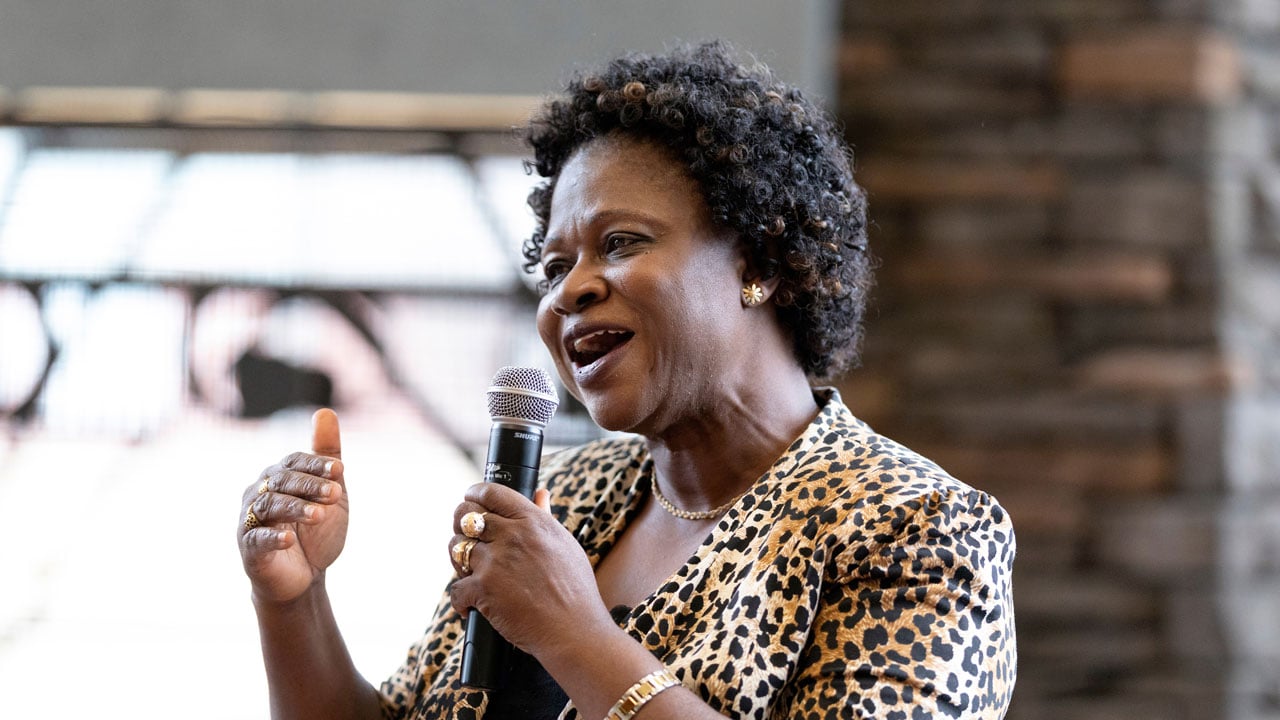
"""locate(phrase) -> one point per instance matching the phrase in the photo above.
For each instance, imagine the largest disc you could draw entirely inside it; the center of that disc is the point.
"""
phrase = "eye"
(553, 270)
(620, 241)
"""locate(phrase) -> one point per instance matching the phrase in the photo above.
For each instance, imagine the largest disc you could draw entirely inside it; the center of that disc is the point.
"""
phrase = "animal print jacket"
(855, 580)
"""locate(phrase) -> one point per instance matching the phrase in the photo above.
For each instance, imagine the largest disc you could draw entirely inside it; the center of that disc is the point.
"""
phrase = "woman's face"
(642, 315)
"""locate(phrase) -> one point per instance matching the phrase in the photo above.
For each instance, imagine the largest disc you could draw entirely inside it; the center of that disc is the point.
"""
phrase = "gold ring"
(461, 554)
(472, 524)
(264, 487)
(250, 520)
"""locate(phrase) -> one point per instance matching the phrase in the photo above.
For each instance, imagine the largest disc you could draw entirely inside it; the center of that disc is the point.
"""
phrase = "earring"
(752, 294)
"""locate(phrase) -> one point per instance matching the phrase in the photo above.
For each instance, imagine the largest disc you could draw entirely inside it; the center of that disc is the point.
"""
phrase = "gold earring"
(752, 294)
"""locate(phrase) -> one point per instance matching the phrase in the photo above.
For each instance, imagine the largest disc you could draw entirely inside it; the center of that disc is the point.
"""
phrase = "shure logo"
(525, 436)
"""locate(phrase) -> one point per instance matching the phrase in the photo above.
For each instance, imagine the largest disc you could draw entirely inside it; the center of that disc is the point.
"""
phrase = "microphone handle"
(486, 655)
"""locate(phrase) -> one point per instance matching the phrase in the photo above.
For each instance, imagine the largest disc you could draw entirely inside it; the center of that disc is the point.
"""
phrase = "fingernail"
(309, 512)
(328, 468)
(326, 490)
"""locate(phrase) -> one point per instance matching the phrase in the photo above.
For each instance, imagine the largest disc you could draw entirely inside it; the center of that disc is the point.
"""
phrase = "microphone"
(521, 401)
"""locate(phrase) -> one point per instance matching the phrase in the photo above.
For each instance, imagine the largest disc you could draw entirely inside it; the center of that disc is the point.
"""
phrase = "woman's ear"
(758, 284)
(757, 291)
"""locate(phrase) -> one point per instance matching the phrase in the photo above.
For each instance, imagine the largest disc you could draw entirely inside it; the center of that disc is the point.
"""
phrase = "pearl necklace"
(692, 514)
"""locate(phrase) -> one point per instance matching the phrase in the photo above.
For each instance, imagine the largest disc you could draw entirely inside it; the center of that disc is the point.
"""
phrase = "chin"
(615, 415)
(611, 421)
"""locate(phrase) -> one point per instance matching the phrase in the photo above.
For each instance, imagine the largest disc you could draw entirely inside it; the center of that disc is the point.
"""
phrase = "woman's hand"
(527, 575)
(293, 518)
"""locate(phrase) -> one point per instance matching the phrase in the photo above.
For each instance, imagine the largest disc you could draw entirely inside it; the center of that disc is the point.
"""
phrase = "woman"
(754, 550)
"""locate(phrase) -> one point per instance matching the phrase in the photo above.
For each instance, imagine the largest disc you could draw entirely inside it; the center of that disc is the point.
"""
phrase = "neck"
(704, 461)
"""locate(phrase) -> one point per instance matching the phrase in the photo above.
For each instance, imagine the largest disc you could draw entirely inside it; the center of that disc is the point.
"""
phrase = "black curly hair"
(773, 167)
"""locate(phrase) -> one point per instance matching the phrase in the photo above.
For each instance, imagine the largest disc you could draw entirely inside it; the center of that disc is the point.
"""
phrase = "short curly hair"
(772, 166)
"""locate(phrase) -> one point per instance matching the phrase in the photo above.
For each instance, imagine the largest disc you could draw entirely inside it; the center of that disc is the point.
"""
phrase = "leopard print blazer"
(856, 579)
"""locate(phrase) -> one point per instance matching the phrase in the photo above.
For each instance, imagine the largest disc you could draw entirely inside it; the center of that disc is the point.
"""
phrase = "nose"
(582, 286)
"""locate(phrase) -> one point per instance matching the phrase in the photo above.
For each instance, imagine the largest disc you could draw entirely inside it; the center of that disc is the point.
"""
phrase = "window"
(174, 301)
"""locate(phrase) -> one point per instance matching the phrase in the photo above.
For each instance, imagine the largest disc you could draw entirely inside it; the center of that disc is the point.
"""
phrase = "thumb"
(542, 498)
(325, 437)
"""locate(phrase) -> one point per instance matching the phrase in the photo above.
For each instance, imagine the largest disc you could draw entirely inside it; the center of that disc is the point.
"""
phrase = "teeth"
(586, 343)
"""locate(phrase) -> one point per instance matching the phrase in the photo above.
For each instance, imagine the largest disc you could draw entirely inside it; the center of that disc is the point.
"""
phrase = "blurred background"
(216, 218)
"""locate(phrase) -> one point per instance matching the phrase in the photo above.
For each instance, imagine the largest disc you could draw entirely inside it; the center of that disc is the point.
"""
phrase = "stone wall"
(1077, 208)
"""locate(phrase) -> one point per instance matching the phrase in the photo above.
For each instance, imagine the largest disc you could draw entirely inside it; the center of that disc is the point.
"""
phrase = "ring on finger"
(265, 487)
(461, 554)
(250, 519)
(472, 524)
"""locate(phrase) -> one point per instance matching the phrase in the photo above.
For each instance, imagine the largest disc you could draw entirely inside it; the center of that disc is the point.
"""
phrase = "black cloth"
(531, 693)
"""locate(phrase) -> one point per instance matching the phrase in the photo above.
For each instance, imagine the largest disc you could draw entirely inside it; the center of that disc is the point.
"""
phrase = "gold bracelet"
(642, 692)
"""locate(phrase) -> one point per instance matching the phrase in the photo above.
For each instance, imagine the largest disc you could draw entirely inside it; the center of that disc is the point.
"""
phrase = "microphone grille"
(522, 394)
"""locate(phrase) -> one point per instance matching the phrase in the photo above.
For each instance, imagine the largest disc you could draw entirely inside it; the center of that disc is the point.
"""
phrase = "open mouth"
(589, 348)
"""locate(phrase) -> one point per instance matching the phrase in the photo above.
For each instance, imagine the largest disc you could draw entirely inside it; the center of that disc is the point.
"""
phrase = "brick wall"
(1077, 208)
